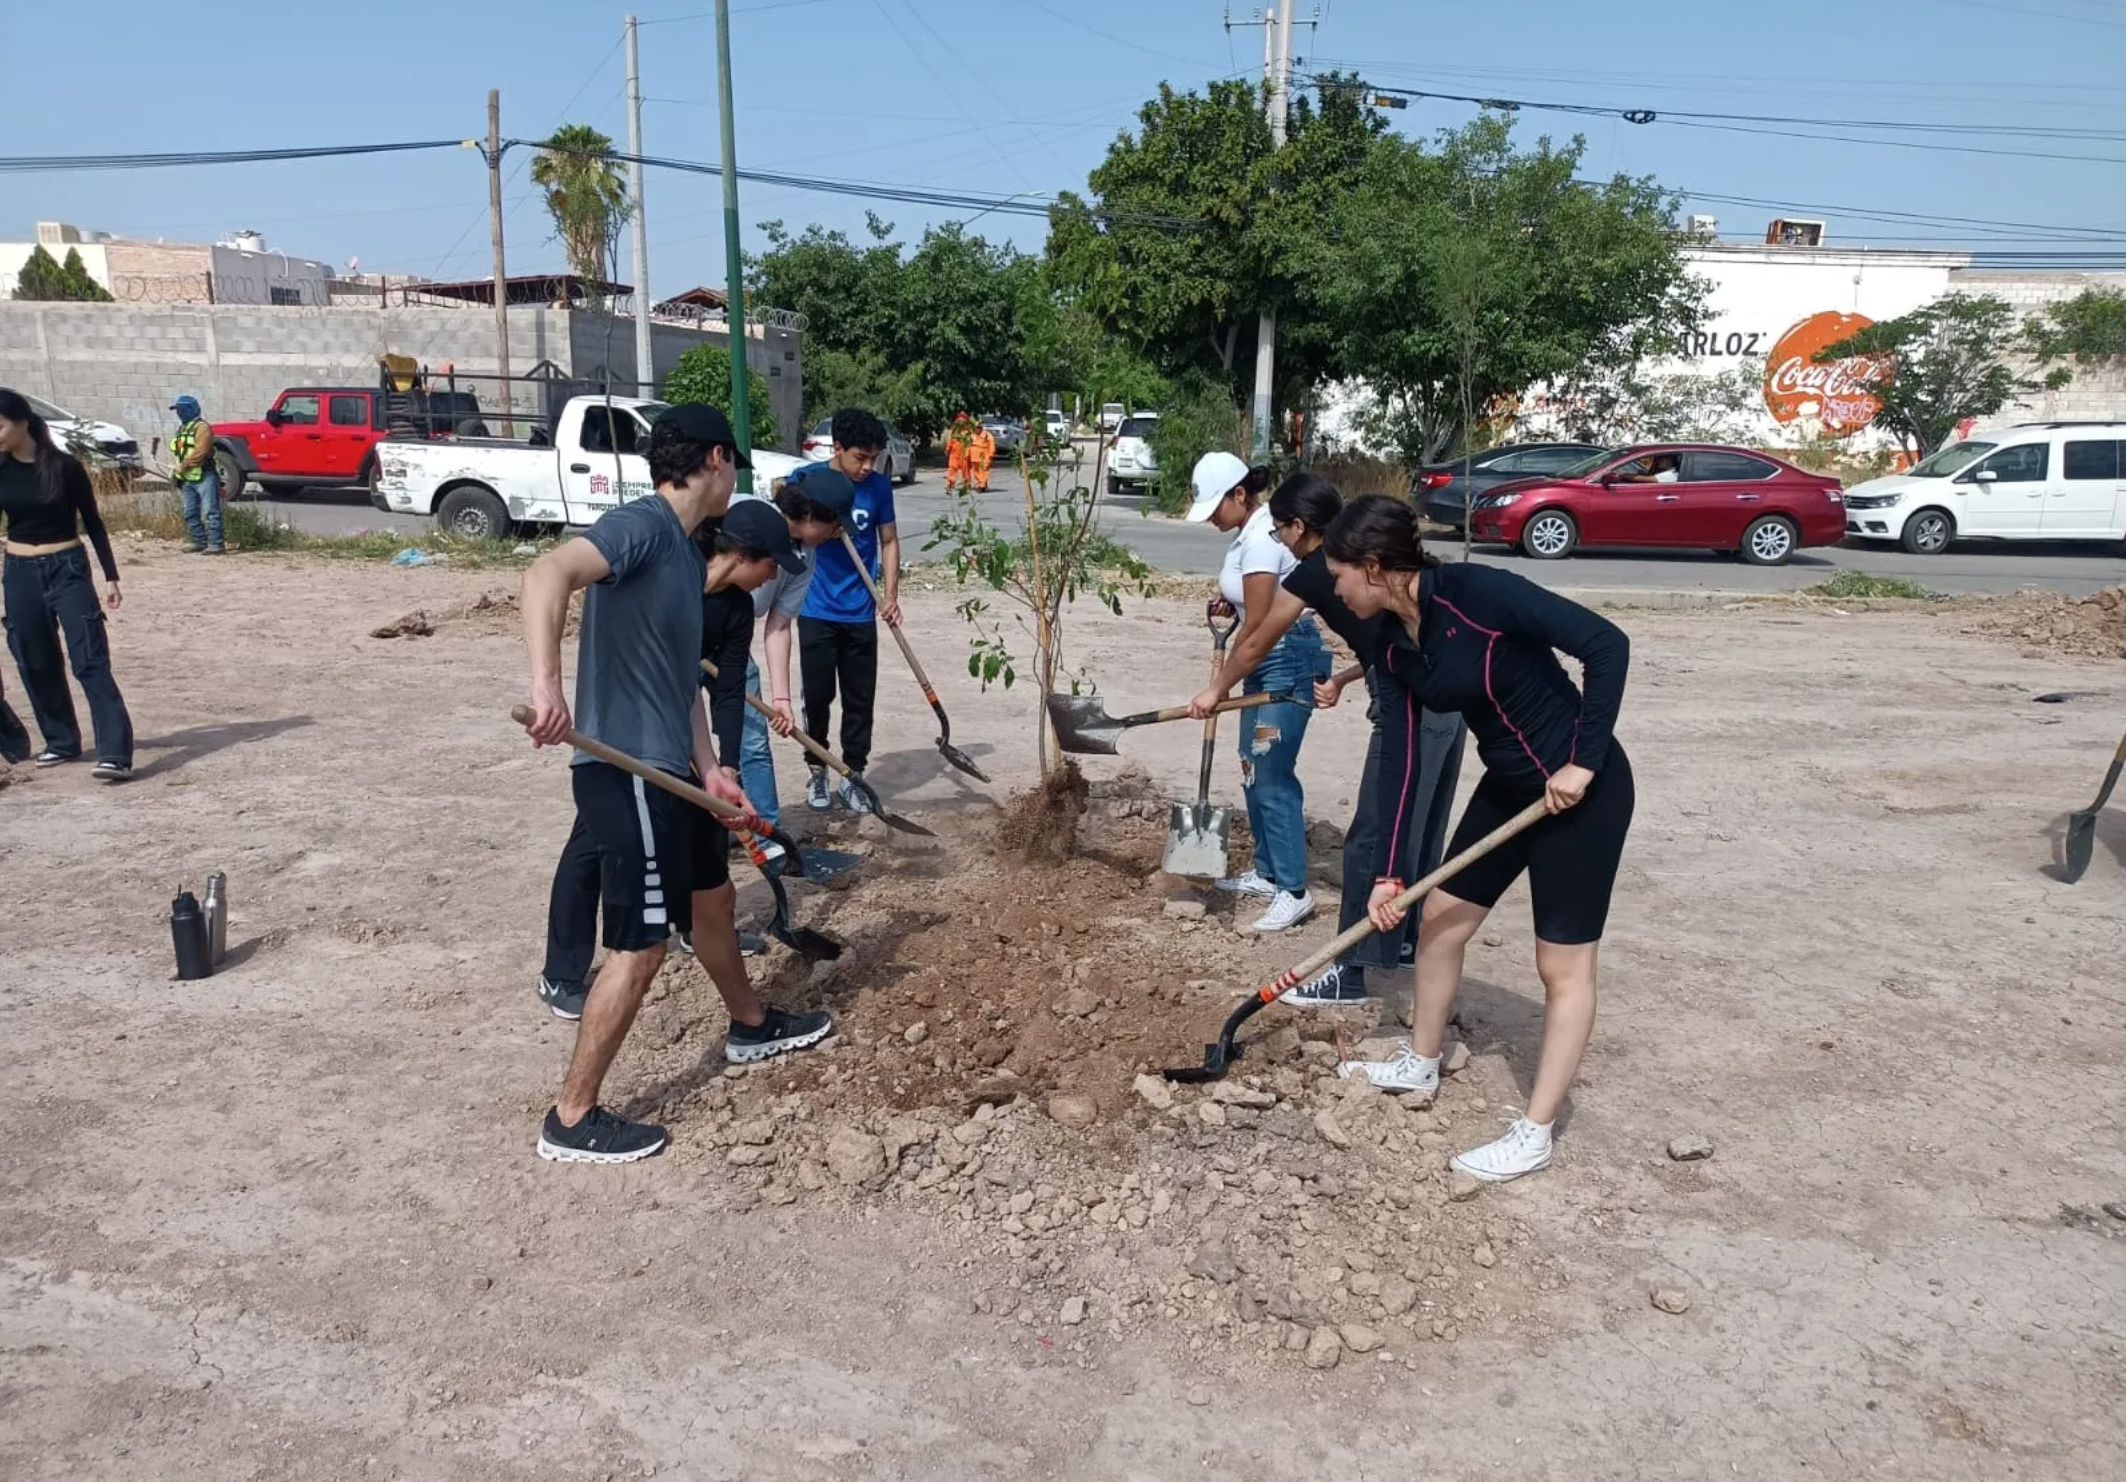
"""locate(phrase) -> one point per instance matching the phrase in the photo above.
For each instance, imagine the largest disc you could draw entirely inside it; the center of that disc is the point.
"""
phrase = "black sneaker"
(215, 550)
(777, 1034)
(113, 772)
(600, 1137)
(1336, 987)
(563, 997)
(751, 944)
(51, 758)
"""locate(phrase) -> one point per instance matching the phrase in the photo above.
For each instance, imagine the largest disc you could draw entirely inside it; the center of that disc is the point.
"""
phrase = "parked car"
(2033, 481)
(484, 488)
(896, 461)
(1111, 415)
(1056, 423)
(1668, 494)
(1131, 464)
(328, 435)
(93, 442)
(1442, 489)
(1009, 432)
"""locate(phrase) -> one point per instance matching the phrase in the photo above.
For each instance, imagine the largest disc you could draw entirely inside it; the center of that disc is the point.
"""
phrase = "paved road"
(1171, 545)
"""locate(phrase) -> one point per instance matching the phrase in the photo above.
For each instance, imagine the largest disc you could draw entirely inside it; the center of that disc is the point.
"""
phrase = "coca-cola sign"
(1836, 397)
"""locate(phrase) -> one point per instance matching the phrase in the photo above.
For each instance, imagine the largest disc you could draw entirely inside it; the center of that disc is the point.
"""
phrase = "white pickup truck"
(486, 488)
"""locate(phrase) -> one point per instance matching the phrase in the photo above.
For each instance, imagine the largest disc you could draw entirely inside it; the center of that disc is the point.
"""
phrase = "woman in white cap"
(1227, 498)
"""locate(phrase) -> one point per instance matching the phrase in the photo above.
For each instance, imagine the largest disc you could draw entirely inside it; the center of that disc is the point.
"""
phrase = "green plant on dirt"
(1057, 553)
(43, 279)
(1853, 585)
(704, 375)
(1197, 417)
(586, 194)
(1947, 363)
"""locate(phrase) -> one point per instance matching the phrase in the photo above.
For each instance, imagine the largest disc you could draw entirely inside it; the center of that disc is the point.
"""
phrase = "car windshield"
(1584, 466)
(1137, 427)
(825, 428)
(1953, 459)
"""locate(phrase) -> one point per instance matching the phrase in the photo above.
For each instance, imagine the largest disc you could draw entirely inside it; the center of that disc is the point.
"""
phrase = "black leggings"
(1571, 857)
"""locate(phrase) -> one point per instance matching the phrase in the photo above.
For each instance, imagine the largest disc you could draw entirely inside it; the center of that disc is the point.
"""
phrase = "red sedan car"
(1670, 494)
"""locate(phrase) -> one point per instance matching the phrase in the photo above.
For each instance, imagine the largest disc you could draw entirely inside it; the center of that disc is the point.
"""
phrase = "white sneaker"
(1336, 986)
(817, 794)
(1286, 911)
(1524, 1149)
(1249, 884)
(1405, 1070)
(851, 799)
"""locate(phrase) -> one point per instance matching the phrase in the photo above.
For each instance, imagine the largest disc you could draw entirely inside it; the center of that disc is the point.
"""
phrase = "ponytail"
(1308, 498)
(1380, 528)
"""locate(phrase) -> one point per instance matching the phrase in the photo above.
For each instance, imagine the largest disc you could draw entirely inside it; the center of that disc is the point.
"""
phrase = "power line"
(26, 164)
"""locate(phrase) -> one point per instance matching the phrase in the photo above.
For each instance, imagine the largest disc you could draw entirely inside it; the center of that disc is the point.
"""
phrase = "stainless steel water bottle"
(216, 907)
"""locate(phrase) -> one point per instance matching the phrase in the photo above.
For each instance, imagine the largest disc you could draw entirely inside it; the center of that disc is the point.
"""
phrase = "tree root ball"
(1041, 825)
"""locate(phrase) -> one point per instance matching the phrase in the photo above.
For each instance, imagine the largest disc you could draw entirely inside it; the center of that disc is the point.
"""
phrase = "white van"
(2032, 481)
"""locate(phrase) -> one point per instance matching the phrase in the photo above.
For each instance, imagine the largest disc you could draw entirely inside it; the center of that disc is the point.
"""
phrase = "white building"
(241, 269)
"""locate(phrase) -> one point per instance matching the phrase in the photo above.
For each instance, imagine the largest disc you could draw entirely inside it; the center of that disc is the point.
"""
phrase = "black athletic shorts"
(1571, 857)
(652, 850)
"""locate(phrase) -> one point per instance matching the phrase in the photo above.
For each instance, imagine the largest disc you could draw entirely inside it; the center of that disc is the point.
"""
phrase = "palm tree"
(586, 194)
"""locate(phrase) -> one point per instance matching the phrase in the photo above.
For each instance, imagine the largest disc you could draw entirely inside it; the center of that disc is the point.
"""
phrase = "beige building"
(240, 270)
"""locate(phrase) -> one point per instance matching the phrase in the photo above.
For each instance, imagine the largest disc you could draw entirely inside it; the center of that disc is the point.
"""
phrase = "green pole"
(734, 263)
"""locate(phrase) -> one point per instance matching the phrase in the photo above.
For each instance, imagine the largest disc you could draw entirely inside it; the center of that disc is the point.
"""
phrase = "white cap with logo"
(1216, 475)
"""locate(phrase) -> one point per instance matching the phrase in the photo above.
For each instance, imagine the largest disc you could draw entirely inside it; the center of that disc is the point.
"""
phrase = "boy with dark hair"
(637, 690)
(837, 633)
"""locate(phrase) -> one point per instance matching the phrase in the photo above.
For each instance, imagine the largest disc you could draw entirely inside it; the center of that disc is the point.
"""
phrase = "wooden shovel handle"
(878, 599)
(820, 753)
(522, 715)
(1244, 702)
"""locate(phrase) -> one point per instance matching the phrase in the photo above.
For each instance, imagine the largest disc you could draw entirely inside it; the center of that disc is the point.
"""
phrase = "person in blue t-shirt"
(837, 633)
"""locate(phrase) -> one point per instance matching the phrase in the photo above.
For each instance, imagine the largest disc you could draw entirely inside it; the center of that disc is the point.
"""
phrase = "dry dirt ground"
(288, 1222)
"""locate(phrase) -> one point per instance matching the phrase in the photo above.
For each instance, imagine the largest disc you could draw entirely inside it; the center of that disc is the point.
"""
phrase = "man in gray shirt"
(660, 861)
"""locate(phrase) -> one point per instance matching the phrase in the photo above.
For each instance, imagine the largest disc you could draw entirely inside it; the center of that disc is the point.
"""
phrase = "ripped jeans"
(1269, 754)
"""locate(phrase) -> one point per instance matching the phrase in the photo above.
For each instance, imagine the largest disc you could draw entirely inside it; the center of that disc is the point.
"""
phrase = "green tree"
(2091, 327)
(1459, 277)
(1947, 363)
(41, 280)
(586, 194)
(704, 375)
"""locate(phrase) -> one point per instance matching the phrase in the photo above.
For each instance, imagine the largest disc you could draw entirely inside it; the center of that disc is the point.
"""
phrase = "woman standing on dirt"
(1481, 641)
(1289, 664)
(1300, 511)
(48, 505)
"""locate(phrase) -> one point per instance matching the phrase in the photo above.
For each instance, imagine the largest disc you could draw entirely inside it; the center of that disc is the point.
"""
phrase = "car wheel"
(1550, 535)
(473, 512)
(1770, 541)
(1929, 532)
(231, 474)
(1114, 487)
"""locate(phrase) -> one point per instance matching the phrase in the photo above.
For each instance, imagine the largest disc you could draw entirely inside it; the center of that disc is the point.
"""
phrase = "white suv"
(2033, 481)
(1131, 464)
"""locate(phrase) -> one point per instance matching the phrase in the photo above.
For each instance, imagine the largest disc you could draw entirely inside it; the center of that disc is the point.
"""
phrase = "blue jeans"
(1269, 754)
(203, 511)
(756, 763)
(45, 597)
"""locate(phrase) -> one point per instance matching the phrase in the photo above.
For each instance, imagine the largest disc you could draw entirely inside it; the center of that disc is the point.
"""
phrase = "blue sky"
(1012, 96)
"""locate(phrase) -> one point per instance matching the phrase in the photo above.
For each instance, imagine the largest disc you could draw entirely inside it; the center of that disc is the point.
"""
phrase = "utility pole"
(734, 268)
(494, 216)
(645, 360)
(1277, 73)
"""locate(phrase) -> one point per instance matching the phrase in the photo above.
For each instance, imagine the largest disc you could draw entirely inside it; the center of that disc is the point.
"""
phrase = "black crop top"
(34, 520)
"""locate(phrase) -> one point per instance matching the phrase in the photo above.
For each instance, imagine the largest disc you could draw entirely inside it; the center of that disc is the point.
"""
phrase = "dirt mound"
(497, 614)
(2049, 624)
(1041, 824)
(415, 624)
(1003, 1023)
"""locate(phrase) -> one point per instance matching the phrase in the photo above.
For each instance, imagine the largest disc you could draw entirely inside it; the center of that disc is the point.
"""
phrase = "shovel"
(1196, 832)
(807, 943)
(2081, 824)
(1084, 726)
(1222, 1053)
(951, 753)
(835, 764)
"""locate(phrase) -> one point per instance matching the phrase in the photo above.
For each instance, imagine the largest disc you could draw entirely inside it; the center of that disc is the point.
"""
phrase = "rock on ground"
(1154, 1092)
(854, 1156)
(1359, 1338)
(1072, 1110)
(1672, 1301)
(1690, 1147)
(1324, 1348)
(1461, 1186)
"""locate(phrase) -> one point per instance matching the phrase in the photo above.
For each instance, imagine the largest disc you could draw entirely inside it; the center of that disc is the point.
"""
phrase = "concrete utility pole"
(494, 216)
(645, 360)
(1277, 73)
(734, 267)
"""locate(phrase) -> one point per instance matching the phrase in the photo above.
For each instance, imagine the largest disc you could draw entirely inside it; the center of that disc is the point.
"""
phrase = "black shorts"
(1571, 857)
(653, 849)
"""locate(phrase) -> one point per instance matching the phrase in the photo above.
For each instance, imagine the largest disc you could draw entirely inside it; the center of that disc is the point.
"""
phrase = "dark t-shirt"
(34, 520)
(726, 642)
(1311, 582)
(638, 657)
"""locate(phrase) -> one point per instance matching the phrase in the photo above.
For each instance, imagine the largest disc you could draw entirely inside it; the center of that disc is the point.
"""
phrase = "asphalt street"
(1171, 545)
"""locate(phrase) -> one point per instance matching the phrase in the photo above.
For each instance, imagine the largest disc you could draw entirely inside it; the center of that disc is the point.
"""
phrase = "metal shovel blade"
(1195, 841)
(817, 866)
(2081, 824)
(961, 759)
(1083, 725)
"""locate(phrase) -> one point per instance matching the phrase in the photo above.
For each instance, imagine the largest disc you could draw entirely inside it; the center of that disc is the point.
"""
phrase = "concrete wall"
(125, 363)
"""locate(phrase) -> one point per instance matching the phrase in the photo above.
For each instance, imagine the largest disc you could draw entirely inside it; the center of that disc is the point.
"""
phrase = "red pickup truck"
(327, 435)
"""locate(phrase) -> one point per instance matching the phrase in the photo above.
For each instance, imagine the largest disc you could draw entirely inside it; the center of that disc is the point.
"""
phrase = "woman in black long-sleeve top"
(1483, 641)
(48, 506)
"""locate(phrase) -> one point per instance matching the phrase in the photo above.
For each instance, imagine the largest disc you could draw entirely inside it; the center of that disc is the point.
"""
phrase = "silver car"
(897, 462)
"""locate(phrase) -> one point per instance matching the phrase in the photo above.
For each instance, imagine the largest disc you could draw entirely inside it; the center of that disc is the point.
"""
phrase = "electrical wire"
(26, 164)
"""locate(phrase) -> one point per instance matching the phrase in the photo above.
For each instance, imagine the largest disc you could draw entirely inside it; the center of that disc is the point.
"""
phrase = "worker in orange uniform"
(984, 453)
(959, 452)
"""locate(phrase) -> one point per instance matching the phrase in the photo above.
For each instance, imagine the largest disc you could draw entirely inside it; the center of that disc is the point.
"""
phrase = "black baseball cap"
(828, 488)
(759, 525)
(700, 423)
